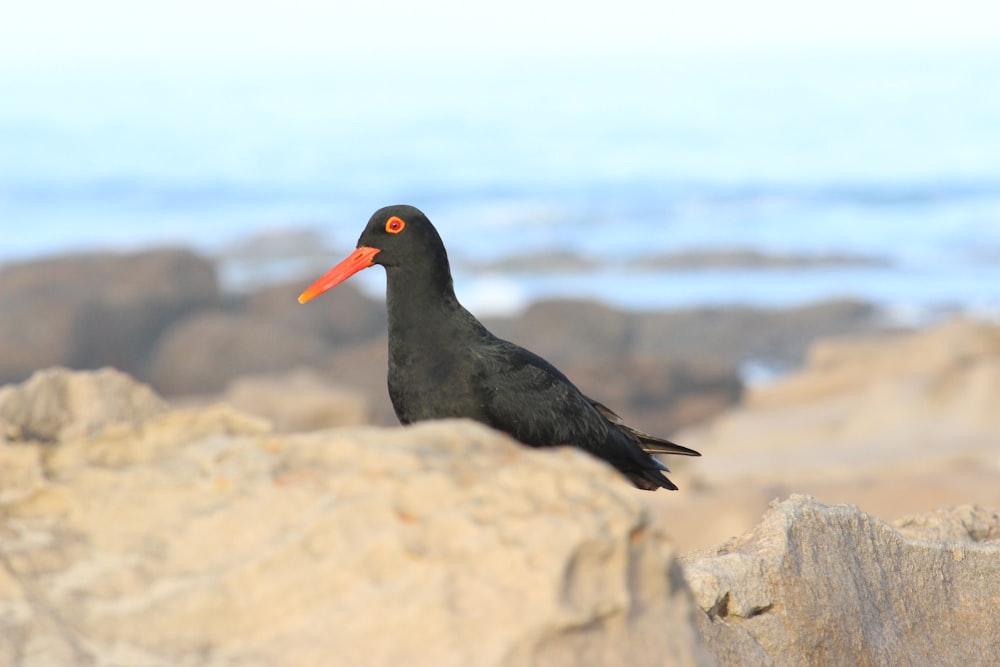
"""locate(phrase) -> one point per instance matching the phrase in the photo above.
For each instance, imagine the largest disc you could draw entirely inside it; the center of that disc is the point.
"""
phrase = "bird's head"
(396, 236)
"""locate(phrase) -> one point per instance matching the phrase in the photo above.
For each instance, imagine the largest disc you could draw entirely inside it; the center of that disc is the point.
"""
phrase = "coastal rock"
(204, 353)
(734, 334)
(344, 316)
(101, 309)
(566, 331)
(829, 584)
(199, 538)
(965, 523)
(868, 402)
(133, 534)
(301, 400)
(659, 395)
(656, 388)
(159, 316)
(267, 332)
(775, 337)
(897, 424)
(57, 404)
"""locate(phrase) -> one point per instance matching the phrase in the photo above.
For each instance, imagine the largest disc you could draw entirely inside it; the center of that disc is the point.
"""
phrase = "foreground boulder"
(201, 537)
(818, 584)
(135, 534)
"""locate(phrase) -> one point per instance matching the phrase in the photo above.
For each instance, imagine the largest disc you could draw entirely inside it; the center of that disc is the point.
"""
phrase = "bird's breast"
(431, 383)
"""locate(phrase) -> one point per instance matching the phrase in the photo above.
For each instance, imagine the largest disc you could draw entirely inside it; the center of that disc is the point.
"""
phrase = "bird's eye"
(394, 225)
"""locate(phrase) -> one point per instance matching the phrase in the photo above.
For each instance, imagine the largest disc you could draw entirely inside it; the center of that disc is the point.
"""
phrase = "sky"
(67, 32)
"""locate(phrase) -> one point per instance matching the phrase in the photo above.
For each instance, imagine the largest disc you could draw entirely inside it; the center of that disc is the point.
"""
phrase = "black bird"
(444, 363)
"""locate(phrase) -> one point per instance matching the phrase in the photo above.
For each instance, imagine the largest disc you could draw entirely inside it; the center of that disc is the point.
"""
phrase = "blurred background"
(671, 201)
(786, 153)
(767, 230)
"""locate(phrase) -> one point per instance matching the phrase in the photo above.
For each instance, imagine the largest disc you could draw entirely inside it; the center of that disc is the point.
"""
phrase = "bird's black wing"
(524, 395)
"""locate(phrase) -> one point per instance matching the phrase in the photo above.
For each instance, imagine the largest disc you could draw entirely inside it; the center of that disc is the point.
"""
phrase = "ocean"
(887, 162)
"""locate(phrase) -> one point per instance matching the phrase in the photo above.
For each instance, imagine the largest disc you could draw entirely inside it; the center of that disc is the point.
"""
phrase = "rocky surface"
(200, 537)
(135, 534)
(897, 425)
(302, 400)
(818, 584)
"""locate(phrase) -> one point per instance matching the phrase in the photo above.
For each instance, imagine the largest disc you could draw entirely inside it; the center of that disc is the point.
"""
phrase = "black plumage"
(444, 363)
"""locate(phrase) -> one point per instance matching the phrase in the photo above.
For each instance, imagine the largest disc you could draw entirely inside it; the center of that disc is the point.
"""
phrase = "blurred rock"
(895, 424)
(657, 389)
(569, 331)
(689, 361)
(204, 353)
(301, 400)
(197, 538)
(777, 337)
(102, 309)
(573, 330)
(57, 404)
(831, 585)
(868, 402)
(343, 316)
(659, 395)
(159, 316)
(267, 332)
(965, 523)
(363, 367)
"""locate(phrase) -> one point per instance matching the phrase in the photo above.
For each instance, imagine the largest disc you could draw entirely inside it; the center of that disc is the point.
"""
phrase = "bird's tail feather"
(650, 443)
(651, 480)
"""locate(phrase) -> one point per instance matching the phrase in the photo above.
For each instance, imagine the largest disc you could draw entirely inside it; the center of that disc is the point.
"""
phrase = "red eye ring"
(394, 225)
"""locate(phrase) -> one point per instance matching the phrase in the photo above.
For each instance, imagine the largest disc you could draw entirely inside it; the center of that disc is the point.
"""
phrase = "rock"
(206, 352)
(343, 316)
(965, 523)
(299, 401)
(268, 332)
(58, 404)
(363, 367)
(821, 584)
(657, 389)
(690, 360)
(868, 403)
(897, 424)
(199, 538)
(566, 331)
(134, 534)
(775, 337)
(101, 309)
(659, 395)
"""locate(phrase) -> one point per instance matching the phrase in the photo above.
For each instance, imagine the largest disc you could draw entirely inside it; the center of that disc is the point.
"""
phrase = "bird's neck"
(422, 307)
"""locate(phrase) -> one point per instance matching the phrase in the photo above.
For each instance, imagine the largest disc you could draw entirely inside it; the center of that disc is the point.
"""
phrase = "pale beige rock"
(965, 523)
(897, 425)
(884, 405)
(196, 537)
(301, 400)
(160, 537)
(818, 584)
(59, 404)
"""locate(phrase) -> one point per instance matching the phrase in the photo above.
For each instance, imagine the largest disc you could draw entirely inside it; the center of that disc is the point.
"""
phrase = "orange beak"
(357, 260)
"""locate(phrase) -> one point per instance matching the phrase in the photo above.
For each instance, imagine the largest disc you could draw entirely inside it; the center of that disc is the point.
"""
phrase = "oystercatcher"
(444, 363)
